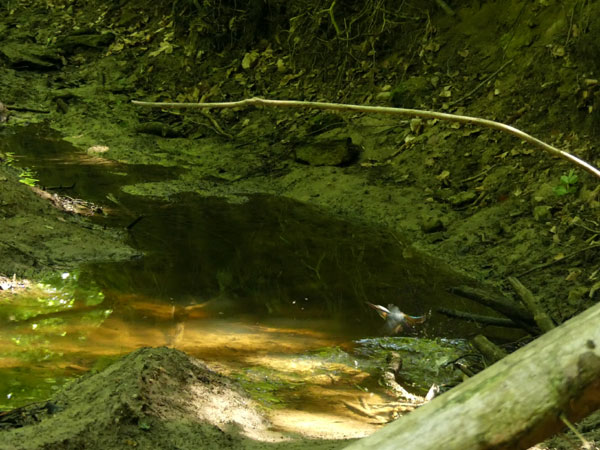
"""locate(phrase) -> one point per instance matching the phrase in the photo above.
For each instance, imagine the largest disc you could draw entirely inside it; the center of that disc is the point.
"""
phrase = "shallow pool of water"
(236, 284)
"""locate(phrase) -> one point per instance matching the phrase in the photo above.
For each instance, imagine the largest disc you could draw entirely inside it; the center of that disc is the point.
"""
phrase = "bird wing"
(414, 320)
(381, 310)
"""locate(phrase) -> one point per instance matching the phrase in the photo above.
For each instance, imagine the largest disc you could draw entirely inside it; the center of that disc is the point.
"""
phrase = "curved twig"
(257, 101)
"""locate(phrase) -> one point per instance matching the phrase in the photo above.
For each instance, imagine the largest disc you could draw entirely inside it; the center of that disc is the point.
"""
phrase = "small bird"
(395, 320)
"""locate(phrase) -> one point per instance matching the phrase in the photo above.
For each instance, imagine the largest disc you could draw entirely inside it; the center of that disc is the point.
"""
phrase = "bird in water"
(396, 321)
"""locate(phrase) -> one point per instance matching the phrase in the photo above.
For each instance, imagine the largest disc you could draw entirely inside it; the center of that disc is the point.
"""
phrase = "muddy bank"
(152, 398)
(38, 238)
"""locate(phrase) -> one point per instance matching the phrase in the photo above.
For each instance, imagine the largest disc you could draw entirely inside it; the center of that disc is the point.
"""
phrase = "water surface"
(248, 285)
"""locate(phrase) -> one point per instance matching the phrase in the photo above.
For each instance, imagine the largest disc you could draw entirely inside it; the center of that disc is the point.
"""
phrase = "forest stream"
(176, 277)
(267, 290)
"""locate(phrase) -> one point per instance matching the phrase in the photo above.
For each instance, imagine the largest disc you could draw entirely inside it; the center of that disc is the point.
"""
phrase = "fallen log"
(515, 403)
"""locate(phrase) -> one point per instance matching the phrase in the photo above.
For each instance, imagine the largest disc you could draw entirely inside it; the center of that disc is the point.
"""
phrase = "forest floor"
(482, 201)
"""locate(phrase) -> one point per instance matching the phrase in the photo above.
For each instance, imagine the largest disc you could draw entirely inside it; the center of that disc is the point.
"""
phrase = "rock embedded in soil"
(26, 56)
(432, 225)
(462, 198)
(338, 152)
(71, 43)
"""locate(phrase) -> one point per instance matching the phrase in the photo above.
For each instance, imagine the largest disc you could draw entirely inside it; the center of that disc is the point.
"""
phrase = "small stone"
(383, 96)
(577, 295)
(328, 152)
(432, 225)
(462, 198)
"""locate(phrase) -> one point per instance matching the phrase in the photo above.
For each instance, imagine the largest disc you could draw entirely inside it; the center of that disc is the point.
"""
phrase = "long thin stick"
(257, 101)
(483, 83)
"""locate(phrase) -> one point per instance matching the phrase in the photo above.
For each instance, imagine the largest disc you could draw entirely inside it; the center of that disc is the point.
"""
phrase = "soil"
(37, 238)
(484, 202)
(152, 398)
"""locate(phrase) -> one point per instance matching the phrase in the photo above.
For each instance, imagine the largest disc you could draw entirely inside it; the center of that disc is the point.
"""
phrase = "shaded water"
(233, 283)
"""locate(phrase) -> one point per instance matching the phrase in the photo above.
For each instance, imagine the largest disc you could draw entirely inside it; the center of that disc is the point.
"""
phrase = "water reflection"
(267, 258)
(45, 341)
(254, 285)
(274, 257)
(62, 168)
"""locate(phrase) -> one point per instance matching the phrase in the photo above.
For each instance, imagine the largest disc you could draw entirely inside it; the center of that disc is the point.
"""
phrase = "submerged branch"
(485, 320)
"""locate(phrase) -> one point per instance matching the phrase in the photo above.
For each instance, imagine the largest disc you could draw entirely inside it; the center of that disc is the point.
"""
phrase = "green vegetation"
(7, 158)
(28, 177)
(568, 184)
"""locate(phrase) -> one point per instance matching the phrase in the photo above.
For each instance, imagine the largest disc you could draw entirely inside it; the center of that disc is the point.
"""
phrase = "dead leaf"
(594, 288)
(443, 175)
(165, 47)
(573, 274)
(249, 59)
(558, 51)
(446, 92)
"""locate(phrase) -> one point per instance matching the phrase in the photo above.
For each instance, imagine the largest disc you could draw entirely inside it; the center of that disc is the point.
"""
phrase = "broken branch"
(542, 319)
